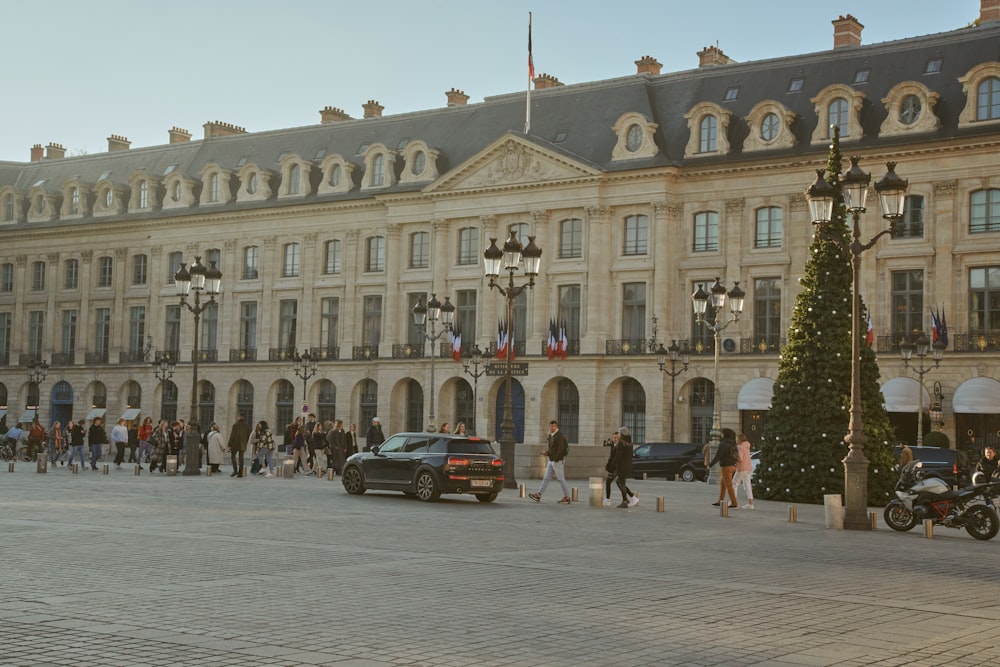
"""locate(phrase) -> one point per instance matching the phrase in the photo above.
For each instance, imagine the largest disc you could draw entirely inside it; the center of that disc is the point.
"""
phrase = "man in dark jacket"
(557, 450)
(726, 456)
(238, 438)
(374, 435)
(623, 468)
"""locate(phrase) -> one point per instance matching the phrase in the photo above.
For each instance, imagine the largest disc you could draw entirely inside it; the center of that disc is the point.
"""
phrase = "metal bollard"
(724, 509)
(76, 468)
(208, 470)
(574, 494)
(243, 471)
(644, 477)
(277, 470)
(661, 505)
(522, 492)
(793, 514)
(171, 466)
(42, 463)
(874, 519)
(107, 467)
(929, 529)
(329, 474)
(138, 469)
(10, 467)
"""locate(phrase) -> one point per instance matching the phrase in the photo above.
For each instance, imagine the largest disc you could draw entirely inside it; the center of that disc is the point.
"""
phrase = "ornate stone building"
(638, 189)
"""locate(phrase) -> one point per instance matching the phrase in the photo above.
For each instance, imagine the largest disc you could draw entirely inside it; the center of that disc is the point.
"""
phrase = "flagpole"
(531, 76)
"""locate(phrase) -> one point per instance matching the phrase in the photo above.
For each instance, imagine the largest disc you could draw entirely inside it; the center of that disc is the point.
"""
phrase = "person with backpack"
(557, 450)
(727, 456)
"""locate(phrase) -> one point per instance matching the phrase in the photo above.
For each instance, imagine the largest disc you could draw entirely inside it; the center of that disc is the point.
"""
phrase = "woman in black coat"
(623, 468)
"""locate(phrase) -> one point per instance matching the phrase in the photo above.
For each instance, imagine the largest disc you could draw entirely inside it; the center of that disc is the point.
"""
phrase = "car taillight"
(456, 461)
(954, 468)
(497, 463)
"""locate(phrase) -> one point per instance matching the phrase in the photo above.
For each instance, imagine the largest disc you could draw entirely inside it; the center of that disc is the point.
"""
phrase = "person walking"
(133, 440)
(744, 469)
(558, 448)
(216, 448)
(337, 446)
(374, 435)
(726, 457)
(351, 441)
(97, 438)
(145, 446)
(611, 442)
(75, 433)
(160, 441)
(623, 468)
(57, 443)
(318, 445)
(265, 448)
(239, 436)
(119, 438)
(300, 452)
(36, 438)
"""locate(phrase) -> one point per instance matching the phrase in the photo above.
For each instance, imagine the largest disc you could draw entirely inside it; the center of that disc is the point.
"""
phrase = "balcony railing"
(617, 347)
(96, 358)
(519, 349)
(281, 354)
(325, 353)
(572, 348)
(364, 352)
(243, 355)
(62, 359)
(131, 357)
(762, 345)
(972, 342)
(407, 351)
(206, 355)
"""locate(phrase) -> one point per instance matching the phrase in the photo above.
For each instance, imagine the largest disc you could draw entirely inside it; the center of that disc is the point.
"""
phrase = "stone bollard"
(874, 519)
(329, 474)
(289, 468)
(793, 514)
(208, 470)
(595, 485)
(724, 508)
(107, 467)
(42, 463)
(574, 494)
(661, 504)
(834, 506)
(929, 529)
(76, 468)
(522, 492)
(171, 466)
(277, 470)
(138, 469)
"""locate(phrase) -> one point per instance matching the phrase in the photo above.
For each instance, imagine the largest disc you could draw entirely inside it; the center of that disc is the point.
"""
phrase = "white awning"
(130, 414)
(756, 394)
(95, 412)
(28, 416)
(901, 395)
(978, 396)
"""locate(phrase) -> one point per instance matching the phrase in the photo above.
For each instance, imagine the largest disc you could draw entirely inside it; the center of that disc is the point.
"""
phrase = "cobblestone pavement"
(121, 569)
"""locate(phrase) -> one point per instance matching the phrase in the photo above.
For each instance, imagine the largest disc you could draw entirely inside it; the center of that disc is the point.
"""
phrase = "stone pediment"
(511, 160)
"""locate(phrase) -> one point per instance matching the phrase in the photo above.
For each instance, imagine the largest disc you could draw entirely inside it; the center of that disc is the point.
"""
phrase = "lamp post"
(822, 195)
(675, 353)
(198, 279)
(512, 258)
(37, 372)
(433, 311)
(163, 367)
(923, 346)
(305, 368)
(475, 360)
(700, 300)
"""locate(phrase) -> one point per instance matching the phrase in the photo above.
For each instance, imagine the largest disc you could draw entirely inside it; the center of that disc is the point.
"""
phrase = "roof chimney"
(54, 152)
(846, 31)
(216, 128)
(989, 10)
(647, 65)
(37, 153)
(329, 115)
(546, 81)
(457, 98)
(711, 56)
(372, 109)
(179, 136)
(117, 143)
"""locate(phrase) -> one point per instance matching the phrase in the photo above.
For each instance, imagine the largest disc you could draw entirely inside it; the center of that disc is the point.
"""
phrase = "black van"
(667, 459)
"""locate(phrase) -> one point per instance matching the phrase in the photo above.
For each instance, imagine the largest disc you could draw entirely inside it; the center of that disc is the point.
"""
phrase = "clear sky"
(78, 72)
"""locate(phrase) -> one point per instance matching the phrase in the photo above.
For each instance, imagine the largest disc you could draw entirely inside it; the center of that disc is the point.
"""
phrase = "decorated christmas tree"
(803, 446)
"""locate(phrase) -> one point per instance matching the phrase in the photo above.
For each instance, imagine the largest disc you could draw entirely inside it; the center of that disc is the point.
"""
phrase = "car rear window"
(461, 446)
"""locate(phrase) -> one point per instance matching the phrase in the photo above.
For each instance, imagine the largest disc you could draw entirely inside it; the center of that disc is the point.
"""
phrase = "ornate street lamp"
(37, 372)
(674, 353)
(512, 258)
(922, 346)
(821, 196)
(700, 300)
(198, 279)
(163, 366)
(305, 368)
(433, 311)
(475, 359)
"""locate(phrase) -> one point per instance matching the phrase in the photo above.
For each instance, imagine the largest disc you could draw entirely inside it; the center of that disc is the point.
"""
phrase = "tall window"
(988, 99)
(521, 322)
(36, 330)
(984, 214)
(569, 310)
(375, 254)
(706, 231)
(213, 187)
(143, 194)
(568, 409)
(571, 238)
(213, 256)
(74, 201)
(105, 269)
(911, 225)
(210, 327)
(67, 335)
(251, 262)
(5, 320)
(294, 176)
(907, 303)
(136, 331)
(468, 245)
(331, 257)
(414, 334)
(140, 269)
(768, 230)
(248, 325)
(984, 300)
(634, 409)
(8, 208)
(71, 274)
(378, 170)
(38, 276)
(838, 115)
(707, 134)
(420, 250)
(102, 333)
(172, 330)
(634, 311)
(371, 323)
(767, 312)
(702, 407)
(465, 314)
(7, 277)
(520, 230)
(329, 322)
(287, 322)
(174, 260)
(636, 235)
(290, 267)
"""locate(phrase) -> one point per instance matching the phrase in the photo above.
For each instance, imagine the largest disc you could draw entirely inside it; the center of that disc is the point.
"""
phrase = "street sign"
(497, 368)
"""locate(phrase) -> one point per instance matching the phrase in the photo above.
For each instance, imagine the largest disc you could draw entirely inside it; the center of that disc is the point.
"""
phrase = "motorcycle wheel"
(898, 517)
(982, 522)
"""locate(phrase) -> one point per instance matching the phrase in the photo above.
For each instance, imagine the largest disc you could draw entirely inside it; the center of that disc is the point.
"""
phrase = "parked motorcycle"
(920, 498)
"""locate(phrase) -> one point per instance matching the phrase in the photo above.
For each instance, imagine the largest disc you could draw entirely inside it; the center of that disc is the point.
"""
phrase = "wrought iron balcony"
(407, 351)
(519, 349)
(572, 348)
(628, 346)
(96, 358)
(243, 355)
(132, 357)
(976, 342)
(325, 353)
(206, 355)
(762, 345)
(281, 354)
(62, 359)
(365, 352)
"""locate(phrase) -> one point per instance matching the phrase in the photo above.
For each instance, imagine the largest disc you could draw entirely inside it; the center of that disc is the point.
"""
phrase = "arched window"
(143, 194)
(707, 134)
(294, 175)
(633, 409)
(375, 257)
(768, 230)
(988, 99)
(984, 211)
(378, 170)
(244, 401)
(837, 115)
(414, 406)
(571, 238)
(331, 255)
(636, 230)
(568, 409)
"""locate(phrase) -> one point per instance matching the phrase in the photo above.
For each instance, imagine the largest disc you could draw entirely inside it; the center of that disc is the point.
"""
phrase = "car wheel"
(688, 475)
(427, 487)
(486, 497)
(982, 522)
(352, 481)
(898, 517)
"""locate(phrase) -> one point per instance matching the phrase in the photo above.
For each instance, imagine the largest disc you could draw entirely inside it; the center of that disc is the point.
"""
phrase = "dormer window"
(378, 171)
(109, 198)
(838, 105)
(379, 167)
(708, 124)
(635, 137)
(294, 174)
(252, 182)
(336, 175)
(143, 194)
(982, 95)
(933, 66)
(731, 94)
(910, 107)
(420, 162)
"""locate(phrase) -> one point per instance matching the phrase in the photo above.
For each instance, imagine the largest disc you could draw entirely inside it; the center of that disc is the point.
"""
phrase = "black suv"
(951, 465)
(426, 465)
(667, 459)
